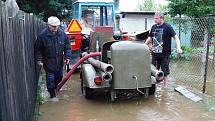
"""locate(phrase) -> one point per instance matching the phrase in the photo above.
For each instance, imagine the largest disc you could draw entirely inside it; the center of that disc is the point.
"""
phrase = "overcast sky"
(131, 5)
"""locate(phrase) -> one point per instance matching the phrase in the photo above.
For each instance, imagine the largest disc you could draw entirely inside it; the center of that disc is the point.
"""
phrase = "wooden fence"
(18, 74)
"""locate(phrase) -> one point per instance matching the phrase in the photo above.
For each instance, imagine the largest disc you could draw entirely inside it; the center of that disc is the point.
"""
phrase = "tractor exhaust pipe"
(106, 76)
(159, 75)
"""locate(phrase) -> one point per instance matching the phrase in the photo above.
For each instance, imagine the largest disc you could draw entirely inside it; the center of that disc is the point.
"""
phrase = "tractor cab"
(92, 20)
(94, 13)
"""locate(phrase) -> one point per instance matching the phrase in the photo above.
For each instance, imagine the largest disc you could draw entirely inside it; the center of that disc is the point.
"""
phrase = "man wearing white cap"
(51, 48)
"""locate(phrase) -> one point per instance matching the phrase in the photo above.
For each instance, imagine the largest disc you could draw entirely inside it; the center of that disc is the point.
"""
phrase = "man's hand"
(67, 61)
(179, 50)
(40, 63)
(178, 44)
(148, 40)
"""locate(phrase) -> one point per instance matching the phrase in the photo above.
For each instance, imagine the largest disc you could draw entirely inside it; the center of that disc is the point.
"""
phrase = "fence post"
(209, 26)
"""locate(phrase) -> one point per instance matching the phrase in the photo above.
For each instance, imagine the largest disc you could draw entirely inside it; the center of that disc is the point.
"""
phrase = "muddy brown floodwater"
(172, 107)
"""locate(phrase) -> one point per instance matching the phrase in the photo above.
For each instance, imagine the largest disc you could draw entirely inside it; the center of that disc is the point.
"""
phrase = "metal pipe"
(101, 16)
(159, 75)
(107, 68)
(210, 22)
(137, 85)
(106, 16)
(106, 76)
(64, 80)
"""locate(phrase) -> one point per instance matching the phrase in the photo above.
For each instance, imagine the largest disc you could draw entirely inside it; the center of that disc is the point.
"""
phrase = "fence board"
(2, 67)
(18, 74)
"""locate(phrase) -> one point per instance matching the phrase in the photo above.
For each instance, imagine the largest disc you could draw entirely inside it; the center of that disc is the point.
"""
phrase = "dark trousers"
(163, 63)
(52, 80)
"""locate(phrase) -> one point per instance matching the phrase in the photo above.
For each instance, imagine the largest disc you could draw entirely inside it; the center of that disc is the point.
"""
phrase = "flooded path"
(172, 107)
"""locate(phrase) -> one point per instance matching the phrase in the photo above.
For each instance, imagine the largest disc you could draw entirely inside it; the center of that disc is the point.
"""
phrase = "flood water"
(171, 106)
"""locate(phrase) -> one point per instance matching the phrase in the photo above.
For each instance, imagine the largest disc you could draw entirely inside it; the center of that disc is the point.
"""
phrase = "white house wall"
(133, 23)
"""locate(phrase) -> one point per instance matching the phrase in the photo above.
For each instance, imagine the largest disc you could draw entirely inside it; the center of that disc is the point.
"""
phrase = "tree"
(177, 7)
(162, 8)
(192, 8)
(146, 5)
(46, 8)
(150, 5)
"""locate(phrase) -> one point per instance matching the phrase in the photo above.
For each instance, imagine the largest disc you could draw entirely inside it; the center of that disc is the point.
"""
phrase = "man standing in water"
(160, 37)
(51, 48)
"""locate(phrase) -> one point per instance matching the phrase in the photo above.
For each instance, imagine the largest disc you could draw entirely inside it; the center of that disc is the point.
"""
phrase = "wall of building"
(133, 23)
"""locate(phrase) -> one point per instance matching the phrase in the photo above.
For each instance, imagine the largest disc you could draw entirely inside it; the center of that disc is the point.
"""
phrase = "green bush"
(185, 56)
(201, 49)
(188, 51)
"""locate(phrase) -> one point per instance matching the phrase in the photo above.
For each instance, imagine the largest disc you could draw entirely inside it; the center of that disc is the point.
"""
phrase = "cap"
(54, 21)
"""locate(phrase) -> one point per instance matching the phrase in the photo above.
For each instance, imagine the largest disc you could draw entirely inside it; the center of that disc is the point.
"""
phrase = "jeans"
(52, 80)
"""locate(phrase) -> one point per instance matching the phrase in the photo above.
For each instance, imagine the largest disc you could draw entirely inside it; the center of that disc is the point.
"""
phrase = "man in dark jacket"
(51, 48)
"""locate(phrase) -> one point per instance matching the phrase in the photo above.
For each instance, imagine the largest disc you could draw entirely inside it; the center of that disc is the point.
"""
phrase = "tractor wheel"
(152, 89)
(88, 93)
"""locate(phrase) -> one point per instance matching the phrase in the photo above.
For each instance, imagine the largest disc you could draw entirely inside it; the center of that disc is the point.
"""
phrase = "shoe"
(54, 99)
